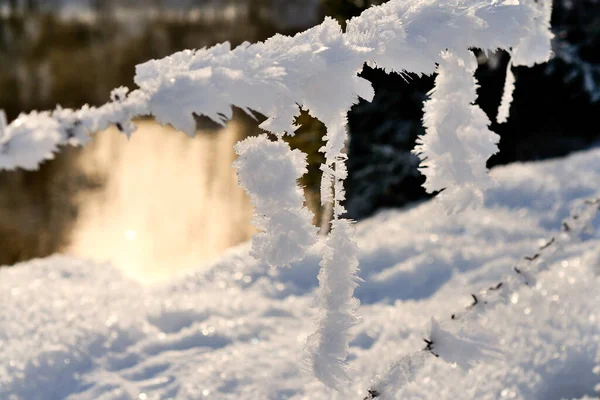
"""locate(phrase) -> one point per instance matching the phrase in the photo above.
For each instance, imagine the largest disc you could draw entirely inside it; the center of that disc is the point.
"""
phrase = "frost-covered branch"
(452, 345)
(317, 70)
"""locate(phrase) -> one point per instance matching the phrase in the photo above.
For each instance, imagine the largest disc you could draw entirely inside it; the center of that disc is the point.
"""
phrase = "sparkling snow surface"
(236, 329)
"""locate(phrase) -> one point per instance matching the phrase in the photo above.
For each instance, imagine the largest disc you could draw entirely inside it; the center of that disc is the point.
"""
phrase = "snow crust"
(236, 329)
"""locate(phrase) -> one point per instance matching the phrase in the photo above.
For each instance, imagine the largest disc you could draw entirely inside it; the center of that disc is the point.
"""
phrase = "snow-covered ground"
(236, 329)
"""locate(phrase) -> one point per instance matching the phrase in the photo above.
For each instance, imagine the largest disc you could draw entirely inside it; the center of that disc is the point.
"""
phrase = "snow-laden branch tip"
(35, 137)
(458, 141)
(268, 172)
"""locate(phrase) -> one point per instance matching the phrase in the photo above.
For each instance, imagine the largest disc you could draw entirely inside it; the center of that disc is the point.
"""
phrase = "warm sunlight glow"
(167, 203)
(130, 234)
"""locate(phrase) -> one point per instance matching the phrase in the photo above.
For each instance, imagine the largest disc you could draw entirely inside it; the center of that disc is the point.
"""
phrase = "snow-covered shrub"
(317, 70)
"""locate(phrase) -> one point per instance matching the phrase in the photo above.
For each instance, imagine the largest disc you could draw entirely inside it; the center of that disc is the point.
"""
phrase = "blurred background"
(161, 201)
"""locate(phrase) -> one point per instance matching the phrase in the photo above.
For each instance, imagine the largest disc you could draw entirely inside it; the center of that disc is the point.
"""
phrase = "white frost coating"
(35, 137)
(534, 48)
(398, 375)
(507, 96)
(328, 346)
(453, 348)
(458, 141)
(316, 69)
(25, 143)
(268, 171)
(461, 351)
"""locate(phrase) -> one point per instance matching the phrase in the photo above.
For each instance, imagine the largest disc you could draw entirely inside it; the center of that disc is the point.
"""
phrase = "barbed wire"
(523, 273)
